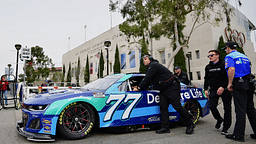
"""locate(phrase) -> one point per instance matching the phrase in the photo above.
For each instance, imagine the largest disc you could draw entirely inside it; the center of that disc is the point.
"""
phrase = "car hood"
(50, 97)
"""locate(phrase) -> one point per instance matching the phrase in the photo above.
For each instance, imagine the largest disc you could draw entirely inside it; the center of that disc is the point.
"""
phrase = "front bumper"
(32, 136)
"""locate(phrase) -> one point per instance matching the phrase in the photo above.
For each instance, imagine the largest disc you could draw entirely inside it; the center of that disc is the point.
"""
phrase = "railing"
(29, 91)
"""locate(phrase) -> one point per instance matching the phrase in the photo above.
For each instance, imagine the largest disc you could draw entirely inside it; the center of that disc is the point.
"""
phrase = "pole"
(189, 69)
(9, 73)
(17, 66)
(107, 61)
(24, 73)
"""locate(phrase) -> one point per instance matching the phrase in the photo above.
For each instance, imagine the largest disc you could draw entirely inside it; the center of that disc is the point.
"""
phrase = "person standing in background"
(4, 85)
(182, 76)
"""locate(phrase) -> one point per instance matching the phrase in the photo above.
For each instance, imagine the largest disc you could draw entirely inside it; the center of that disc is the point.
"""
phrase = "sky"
(50, 23)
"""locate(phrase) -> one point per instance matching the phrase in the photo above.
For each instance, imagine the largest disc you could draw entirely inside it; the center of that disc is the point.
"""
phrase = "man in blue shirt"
(238, 70)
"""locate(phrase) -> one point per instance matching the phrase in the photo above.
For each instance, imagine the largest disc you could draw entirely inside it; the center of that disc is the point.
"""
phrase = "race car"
(103, 103)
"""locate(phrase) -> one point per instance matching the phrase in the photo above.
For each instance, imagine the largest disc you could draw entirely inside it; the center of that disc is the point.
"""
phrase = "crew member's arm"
(185, 79)
(231, 73)
(151, 71)
(230, 67)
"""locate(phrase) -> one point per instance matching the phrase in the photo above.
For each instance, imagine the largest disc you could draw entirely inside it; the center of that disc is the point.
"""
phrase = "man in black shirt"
(164, 80)
(182, 76)
(216, 78)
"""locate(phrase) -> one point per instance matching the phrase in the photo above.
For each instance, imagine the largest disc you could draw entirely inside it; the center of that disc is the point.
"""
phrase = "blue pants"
(5, 95)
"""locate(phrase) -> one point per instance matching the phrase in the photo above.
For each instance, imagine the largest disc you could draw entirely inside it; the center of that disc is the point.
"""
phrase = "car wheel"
(193, 109)
(76, 121)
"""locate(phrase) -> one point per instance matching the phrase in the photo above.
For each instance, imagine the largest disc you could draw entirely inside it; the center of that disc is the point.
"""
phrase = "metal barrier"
(29, 91)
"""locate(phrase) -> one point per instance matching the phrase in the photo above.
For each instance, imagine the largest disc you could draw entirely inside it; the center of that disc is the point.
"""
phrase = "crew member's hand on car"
(135, 88)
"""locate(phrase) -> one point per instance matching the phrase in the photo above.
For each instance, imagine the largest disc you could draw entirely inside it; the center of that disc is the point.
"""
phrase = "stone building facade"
(204, 38)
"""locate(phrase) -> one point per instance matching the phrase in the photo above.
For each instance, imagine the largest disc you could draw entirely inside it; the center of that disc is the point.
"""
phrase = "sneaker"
(224, 132)
(253, 136)
(235, 138)
(163, 130)
(190, 128)
(218, 124)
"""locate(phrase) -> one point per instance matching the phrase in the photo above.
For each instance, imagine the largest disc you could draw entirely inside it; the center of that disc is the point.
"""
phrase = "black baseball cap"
(177, 67)
(230, 44)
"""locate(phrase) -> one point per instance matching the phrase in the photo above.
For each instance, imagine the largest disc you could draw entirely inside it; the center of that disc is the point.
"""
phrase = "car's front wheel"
(76, 121)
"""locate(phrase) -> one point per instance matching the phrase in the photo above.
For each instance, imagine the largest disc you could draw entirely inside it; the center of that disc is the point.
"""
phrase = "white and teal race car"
(106, 102)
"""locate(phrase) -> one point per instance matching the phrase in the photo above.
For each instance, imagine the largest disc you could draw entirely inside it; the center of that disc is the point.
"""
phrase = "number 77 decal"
(119, 99)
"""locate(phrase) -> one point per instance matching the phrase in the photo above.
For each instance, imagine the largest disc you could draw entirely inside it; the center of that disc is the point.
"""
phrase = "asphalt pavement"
(205, 133)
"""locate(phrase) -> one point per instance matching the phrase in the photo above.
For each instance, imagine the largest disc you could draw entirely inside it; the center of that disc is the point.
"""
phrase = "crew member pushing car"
(164, 80)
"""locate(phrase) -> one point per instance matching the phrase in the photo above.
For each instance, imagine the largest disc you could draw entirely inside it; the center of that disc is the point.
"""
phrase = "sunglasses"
(211, 55)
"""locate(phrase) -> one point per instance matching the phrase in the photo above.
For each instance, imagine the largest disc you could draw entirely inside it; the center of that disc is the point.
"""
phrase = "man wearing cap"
(216, 79)
(164, 80)
(182, 76)
(239, 70)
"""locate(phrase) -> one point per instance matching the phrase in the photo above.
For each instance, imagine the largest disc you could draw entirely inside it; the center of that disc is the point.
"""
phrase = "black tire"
(76, 121)
(193, 109)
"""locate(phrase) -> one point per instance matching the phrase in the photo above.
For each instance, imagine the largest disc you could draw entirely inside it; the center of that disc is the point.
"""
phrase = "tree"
(69, 75)
(39, 65)
(57, 76)
(139, 26)
(173, 17)
(179, 60)
(101, 66)
(21, 77)
(221, 44)
(143, 51)
(77, 71)
(171, 14)
(117, 65)
(87, 72)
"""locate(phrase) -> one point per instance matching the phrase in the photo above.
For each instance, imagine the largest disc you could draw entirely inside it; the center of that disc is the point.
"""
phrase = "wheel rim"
(76, 119)
(193, 110)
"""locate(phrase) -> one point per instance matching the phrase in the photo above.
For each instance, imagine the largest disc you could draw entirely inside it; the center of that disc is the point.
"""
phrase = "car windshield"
(102, 83)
